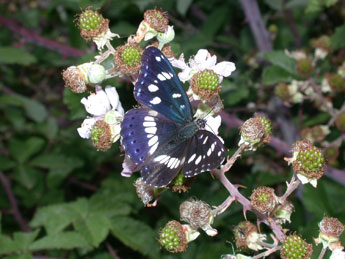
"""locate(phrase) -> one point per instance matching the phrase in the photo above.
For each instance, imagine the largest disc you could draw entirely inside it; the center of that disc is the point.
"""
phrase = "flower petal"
(114, 99)
(86, 127)
(179, 63)
(213, 124)
(97, 104)
(224, 68)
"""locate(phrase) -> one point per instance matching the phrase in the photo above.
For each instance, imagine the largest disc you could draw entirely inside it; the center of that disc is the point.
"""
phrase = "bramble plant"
(161, 159)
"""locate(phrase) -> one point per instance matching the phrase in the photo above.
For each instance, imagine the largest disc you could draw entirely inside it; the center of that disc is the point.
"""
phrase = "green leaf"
(33, 109)
(274, 74)
(22, 150)
(61, 240)
(183, 5)
(10, 55)
(57, 161)
(279, 58)
(135, 234)
(214, 21)
(27, 176)
(49, 128)
(234, 93)
(20, 256)
(94, 228)
(337, 38)
(54, 218)
(314, 6)
(72, 100)
(6, 163)
(275, 4)
(294, 4)
(20, 242)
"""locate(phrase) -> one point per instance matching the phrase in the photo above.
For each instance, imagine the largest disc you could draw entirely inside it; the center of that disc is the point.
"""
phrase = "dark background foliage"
(63, 199)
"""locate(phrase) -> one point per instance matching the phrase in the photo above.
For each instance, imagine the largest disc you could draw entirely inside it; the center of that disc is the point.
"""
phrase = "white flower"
(166, 37)
(320, 53)
(305, 180)
(103, 105)
(297, 54)
(201, 61)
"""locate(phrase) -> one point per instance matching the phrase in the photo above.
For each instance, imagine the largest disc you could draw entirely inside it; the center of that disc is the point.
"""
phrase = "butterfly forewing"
(143, 131)
(205, 153)
(159, 88)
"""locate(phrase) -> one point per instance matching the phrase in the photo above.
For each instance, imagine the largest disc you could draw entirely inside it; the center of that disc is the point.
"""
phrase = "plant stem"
(323, 251)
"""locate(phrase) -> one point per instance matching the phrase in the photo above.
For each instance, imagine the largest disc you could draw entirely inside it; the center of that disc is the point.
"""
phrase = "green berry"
(96, 134)
(90, 20)
(172, 237)
(267, 125)
(294, 247)
(336, 82)
(207, 80)
(311, 159)
(179, 180)
(304, 67)
(282, 91)
(131, 56)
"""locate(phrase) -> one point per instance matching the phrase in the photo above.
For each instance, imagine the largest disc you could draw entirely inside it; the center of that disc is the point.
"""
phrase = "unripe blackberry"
(157, 19)
(205, 84)
(101, 135)
(92, 24)
(172, 237)
(310, 162)
(181, 184)
(331, 227)
(336, 82)
(304, 67)
(207, 80)
(273, 29)
(263, 199)
(254, 132)
(331, 154)
(281, 90)
(196, 213)
(128, 58)
(282, 212)
(340, 122)
(294, 247)
(323, 42)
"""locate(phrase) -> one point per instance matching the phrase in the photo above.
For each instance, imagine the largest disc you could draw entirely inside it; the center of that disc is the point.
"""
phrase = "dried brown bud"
(263, 199)
(157, 19)
(196, 213)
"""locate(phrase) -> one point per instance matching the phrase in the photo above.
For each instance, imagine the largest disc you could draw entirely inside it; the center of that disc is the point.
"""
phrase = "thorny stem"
(273, 248)
(232, 160)
(294, 183)
(323, 251)
(14, 205)
(106, 54)
(226, 204)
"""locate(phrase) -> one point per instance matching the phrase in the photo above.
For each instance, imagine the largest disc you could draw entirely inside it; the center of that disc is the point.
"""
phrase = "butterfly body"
(163, 138)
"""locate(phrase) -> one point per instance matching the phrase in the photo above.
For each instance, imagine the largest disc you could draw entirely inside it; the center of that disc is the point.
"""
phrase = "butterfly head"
(201, 123)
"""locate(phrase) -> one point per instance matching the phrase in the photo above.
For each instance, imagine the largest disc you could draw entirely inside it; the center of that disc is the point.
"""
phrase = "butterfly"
(162, 138)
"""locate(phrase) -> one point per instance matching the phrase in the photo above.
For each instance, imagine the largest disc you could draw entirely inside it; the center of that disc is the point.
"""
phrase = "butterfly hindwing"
(205, 152)
(143, 131)
(159, 88)
(164, 167)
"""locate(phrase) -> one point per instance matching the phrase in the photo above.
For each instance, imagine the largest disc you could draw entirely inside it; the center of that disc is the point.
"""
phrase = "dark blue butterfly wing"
(159, 88)
(164, 167)
(205, 152)
(143, 131)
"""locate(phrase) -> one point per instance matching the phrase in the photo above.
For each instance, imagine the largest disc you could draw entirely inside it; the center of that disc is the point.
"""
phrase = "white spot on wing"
(149, 118)
(176, 95)
(149, 124)
(156, 100)
(153, 88)
(152, 141)
(197, 161)
(219, 153)
(153, 149)
(205, 140)
(151, 130)
(209, 151)
(191, 158)
(166, 75)
(161, 77)
(158, 59)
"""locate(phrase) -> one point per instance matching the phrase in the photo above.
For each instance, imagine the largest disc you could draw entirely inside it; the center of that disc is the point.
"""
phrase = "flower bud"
(322, 46)
(199, 215)
(295, 247)
(254, 132)
(174, 237)
(340, 122)
(246, 236)
(331, 154)
(263, 200)
(330, 231)
(282, 212)
(96, 74)
(157, 19)
(166, 37)
(128, 58)
(304, 67)
(308, 162)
